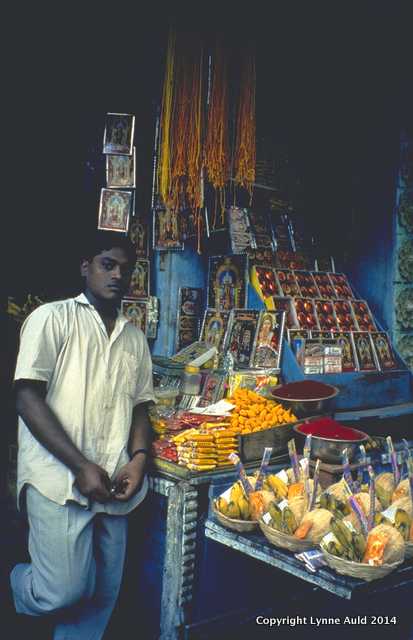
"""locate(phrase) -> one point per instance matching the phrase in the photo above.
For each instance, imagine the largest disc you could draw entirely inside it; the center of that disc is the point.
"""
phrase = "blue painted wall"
(172, 271)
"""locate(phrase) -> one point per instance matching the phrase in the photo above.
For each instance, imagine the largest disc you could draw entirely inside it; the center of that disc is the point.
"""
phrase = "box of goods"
(324, 285)
(341, 286)
(363, 315)
(260, 422)
(288, 283)
(306, 315)
(307, 284)
(264, 281)
(344, 315)
(313, 361)
(325, 314)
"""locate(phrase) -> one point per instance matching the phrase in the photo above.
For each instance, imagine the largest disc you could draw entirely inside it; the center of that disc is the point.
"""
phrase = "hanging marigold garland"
(216, 152)
(245, 151)
(182, 156)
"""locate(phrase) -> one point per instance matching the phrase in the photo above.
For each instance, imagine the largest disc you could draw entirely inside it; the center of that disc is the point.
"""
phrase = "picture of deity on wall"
(119, 132)
(166, 230)
(136, 312)
(189, 311)
(268, 344)
(114, 210)
(214, 327)
(138, 234)
(227, 282)
(120, 171)
(139, 284)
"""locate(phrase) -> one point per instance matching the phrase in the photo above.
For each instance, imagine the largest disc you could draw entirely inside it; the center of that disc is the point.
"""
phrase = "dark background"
(333, 85)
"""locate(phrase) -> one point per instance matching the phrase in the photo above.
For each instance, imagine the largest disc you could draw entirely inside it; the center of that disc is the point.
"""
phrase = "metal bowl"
(330, 451)
(302, 408)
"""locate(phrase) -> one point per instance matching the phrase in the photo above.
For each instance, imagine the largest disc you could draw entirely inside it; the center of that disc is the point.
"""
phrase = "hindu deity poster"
(227, 280)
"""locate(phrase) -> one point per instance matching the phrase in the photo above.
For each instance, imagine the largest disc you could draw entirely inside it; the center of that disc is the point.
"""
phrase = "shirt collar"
(81, 299)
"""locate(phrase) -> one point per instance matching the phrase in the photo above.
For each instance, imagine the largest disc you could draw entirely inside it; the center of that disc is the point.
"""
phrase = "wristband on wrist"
(135, 453)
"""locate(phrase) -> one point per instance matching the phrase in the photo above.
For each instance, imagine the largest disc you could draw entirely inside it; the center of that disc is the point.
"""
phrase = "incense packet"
(346, 469)
(393, 458)
(359, 514)
(315, 486)
(262, 470)
(294, 459)
(372, 496)
(241, 472)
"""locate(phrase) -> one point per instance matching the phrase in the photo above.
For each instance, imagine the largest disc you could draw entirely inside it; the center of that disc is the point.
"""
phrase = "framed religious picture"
(213, 389)
(189, 311)
(241, 334)
(139, 235)
(114, 210)
(135, 311)
(166, 230)
(121, 171)
(345, 340)
(139, 284)
(227, 282)
(384, 352)
(119, 132)
(268, 342)
(214, 327)
(365, 351)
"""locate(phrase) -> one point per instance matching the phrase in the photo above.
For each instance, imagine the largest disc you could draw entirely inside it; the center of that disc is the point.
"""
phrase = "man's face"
(108, 274)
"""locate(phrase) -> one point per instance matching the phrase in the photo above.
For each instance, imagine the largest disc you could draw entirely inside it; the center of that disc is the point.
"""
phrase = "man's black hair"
(104, 241)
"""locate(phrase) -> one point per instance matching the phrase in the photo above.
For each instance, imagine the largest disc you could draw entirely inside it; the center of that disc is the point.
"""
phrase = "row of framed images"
(252, 337)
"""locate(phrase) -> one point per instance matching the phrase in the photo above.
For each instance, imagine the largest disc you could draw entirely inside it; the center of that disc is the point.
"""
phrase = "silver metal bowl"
(302, 408)
(330, 451)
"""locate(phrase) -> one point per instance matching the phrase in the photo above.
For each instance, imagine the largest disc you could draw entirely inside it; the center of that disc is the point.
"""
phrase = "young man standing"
(83, 383)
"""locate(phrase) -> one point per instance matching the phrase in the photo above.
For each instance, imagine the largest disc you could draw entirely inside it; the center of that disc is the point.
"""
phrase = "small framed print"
(139, 235)
(189, 311)
(119, 132)
(139, 284)
(121, 171)
(213, 389)
(384, 351)
(268, 341)
(166, 230)
(241, 335)
(365, 351)
(227, 282)
(214, 327)
(114, 210)
(136, 311)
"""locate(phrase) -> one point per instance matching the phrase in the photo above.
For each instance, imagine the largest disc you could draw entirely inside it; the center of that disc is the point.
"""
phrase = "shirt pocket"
(128, 374)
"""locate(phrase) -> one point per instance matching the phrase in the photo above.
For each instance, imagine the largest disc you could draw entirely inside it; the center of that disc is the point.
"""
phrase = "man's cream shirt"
(93, 384)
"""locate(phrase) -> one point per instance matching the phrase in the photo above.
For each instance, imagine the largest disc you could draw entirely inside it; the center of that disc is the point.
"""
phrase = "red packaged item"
(288, 283)
(344, 315)
(325, 314)
(324, 285)
(306, 316)
(341, 286)
(307, 284)
(363, 315)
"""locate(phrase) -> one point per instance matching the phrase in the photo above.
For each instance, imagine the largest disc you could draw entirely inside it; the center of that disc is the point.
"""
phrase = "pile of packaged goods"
(206, 448)
(253, 412)
(361, 529)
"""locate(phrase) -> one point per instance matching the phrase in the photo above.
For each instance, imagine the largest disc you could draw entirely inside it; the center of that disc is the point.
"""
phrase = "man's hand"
(129, 480)
(93, 482)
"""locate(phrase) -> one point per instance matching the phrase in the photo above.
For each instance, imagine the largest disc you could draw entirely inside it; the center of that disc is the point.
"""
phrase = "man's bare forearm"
(141, 433)
(46, 428)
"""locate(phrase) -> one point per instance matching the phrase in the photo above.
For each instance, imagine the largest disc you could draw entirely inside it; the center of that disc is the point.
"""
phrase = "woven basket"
(283, 540)
(242, 526)
(358, 569)
(408, 550)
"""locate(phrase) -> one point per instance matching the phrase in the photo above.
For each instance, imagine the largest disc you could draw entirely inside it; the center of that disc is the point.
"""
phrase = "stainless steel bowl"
(330, 451)
(302, 408)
